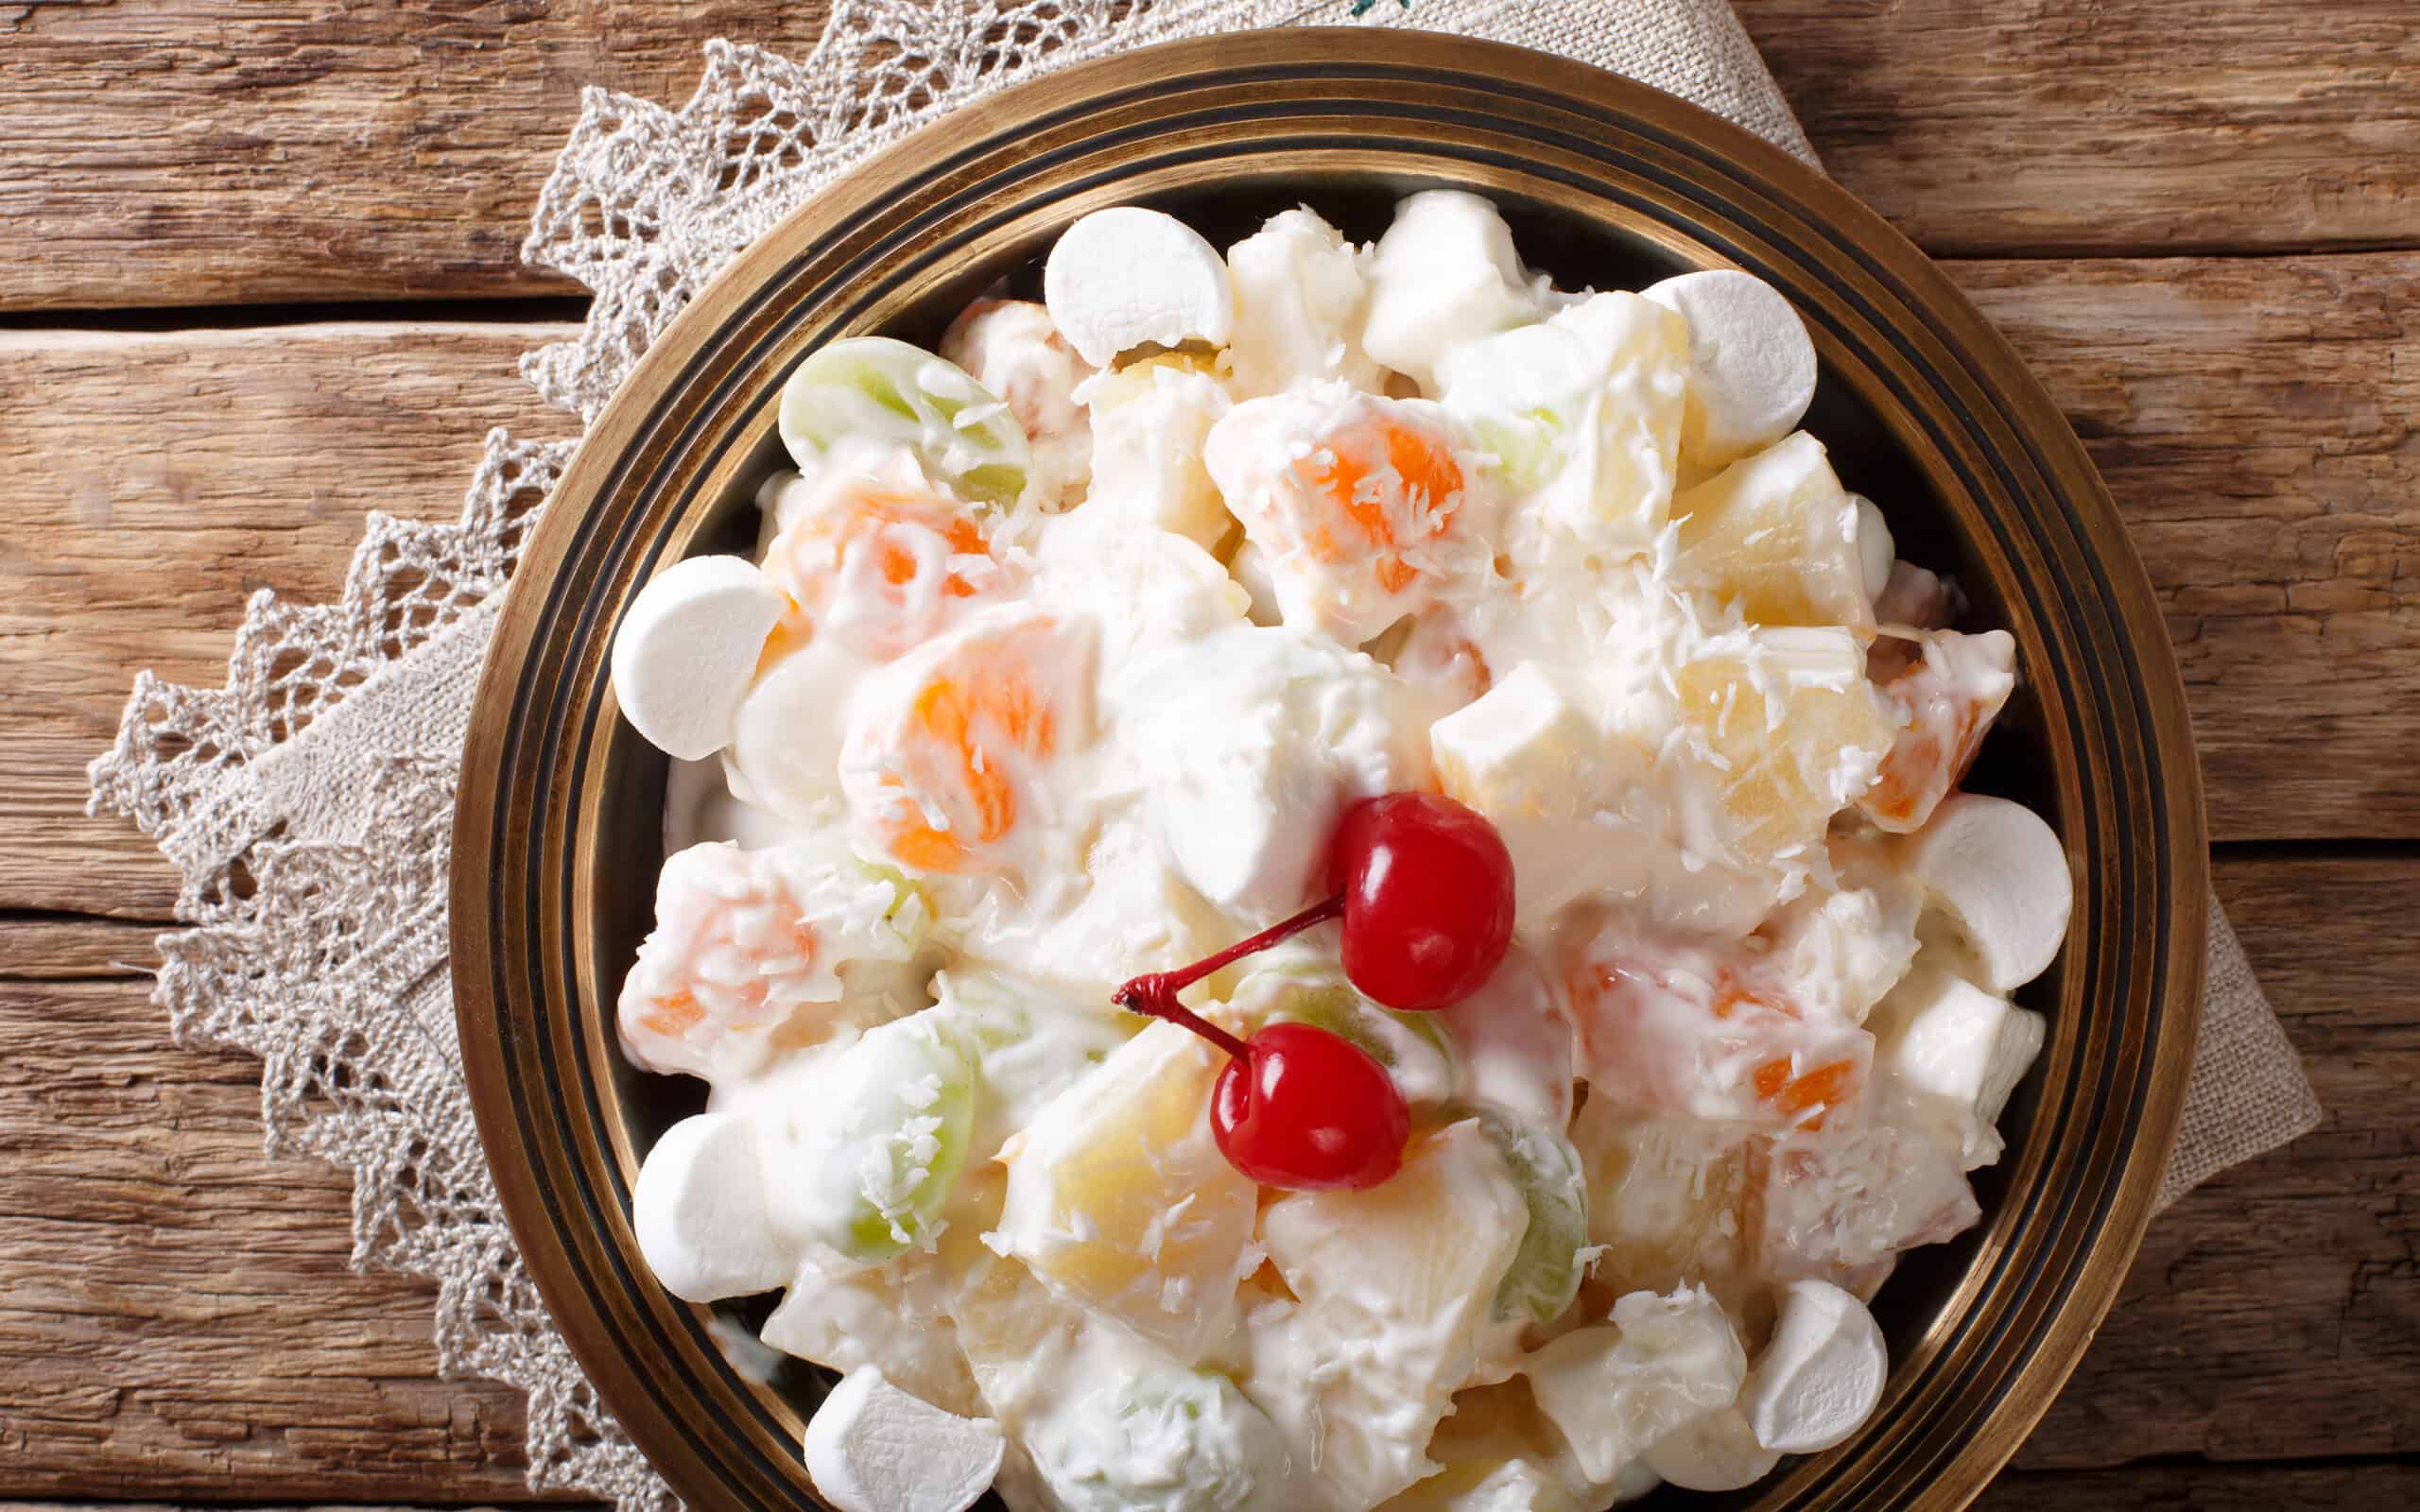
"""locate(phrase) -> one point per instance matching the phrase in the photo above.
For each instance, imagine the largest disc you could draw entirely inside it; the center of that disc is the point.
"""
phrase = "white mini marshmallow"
(1527, 755)
(873, 1447)
(1713, 1451)
(687, 649)
(1946, 1037)
(1997, 871)
(1751, 367)
(1444, 272)
(1119, 279)
(699, 1212)
(1820, 1378)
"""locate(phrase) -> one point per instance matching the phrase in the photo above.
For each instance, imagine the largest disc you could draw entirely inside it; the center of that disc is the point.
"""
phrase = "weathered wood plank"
(211, 151)
(2254, 419)
(72, 947)
(2064, 125)
(150, 484)
(2380, 1488)
(2275, 1313)
(177, 1318)
(221, 151)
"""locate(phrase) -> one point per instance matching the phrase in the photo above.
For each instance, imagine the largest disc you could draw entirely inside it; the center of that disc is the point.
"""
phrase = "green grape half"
(878, 1150)
(875, 389)
(1546, 1270)
(1414, 1047)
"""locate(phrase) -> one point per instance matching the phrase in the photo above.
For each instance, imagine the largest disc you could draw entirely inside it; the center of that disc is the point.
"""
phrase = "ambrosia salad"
(1323, 878)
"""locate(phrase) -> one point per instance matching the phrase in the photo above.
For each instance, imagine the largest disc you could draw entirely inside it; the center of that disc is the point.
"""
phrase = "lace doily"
(308, 804)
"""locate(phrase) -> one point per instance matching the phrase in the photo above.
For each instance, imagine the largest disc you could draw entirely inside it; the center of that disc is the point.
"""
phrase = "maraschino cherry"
(1425, 890)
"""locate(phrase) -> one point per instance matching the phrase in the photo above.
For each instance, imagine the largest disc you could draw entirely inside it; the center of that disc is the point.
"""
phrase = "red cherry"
(1424, 888)
(1307, 1110)
(1427, 889)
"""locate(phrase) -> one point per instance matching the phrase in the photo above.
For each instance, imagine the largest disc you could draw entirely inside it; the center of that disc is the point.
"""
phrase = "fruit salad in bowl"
(1322, 876)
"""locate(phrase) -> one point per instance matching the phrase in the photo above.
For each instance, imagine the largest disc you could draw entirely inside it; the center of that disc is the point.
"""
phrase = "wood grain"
(2275, 1312)
(2254, 419)
(2251, 416)
(2386, 1488)
(2058, 127)
(167, 1292)
(213, 152)
(210, 152)
(150, 484)
(178, 1316)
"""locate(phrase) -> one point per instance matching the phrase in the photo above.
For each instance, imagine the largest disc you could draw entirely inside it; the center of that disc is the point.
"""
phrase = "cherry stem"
(1153, 994)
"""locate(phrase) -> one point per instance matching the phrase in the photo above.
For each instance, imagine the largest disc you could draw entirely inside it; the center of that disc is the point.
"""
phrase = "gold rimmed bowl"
(1605, 182)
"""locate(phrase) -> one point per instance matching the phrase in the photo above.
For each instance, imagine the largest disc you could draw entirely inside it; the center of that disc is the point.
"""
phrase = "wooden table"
(261, 277)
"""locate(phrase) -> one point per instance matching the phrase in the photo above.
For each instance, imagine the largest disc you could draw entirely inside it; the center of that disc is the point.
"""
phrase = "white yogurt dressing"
(1109, 729)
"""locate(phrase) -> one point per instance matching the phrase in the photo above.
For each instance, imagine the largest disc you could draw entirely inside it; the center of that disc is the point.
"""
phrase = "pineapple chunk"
(1792, 734)
(1149, 421)
(1778, 533)
(1673, 1202)
(1396, 1290)
(1120, 1201)
(891, 1317)
(1616, 1391)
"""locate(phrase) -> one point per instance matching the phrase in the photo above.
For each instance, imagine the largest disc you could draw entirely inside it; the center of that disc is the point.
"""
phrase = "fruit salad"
(1324, 877)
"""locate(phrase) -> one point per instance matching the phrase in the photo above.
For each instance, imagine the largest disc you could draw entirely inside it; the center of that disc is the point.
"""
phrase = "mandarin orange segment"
(945, 769)
(746, 955)
(1348, 495)
(1946, 703)
(877, 562)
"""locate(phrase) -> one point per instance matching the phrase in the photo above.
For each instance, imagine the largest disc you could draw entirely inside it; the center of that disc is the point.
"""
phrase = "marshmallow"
(699, 1212)
(687, 648)
(1751, 366)
(1944, 1037)
(1997, 871)
(873, 1447)
(1444, 272)
(1875, 550)
(1820, 1378)
(1121, 279)
(1716, 1451)
(1298, 297)
(1527, 756)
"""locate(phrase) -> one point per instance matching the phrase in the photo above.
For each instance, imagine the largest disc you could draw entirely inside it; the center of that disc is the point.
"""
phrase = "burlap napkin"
(308, 804)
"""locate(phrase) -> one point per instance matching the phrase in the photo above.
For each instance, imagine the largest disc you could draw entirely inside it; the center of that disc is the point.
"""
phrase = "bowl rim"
(479, 868)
